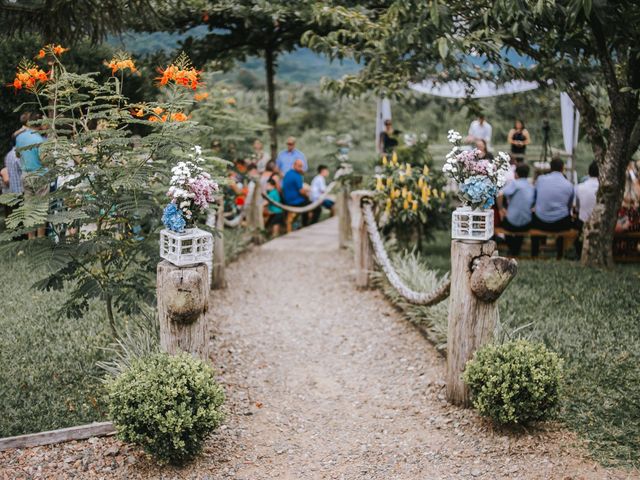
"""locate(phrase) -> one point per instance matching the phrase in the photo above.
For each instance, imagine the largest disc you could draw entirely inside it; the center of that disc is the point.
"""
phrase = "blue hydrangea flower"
(478, 191)
(173, 219)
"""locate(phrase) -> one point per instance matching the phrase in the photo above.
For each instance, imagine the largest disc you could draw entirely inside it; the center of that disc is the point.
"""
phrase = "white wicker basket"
(186, 248)
(470, 224)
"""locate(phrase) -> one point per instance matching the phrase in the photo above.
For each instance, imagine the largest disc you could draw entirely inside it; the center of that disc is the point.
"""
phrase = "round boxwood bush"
(167, 404)
(514, 383)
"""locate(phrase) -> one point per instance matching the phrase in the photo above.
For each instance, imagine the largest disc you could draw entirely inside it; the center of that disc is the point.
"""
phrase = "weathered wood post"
(183, 301)
(363, 253)
(255, 219)
(478, 277)
(218, 279)
(344, 218)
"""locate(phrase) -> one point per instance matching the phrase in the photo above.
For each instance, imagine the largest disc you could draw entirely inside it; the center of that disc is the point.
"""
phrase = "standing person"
(518, 138)
(13, 168)
(480, 129)
(517, 216)
(286, 158)
(318, 188)
(294, 192)
(260, 157)
(34, 182)
(554, 198)
(266, 174)
(388, 138)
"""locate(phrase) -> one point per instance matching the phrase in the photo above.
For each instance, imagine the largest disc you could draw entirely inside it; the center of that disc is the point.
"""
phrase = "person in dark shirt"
(518, 138)
(388, 138)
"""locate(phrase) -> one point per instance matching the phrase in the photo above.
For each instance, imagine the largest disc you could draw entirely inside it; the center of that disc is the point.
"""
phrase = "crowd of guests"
(283, 181)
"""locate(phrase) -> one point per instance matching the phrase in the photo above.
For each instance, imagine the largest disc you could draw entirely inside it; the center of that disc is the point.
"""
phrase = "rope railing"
(307, 208)
(237, 220)
(416, 298)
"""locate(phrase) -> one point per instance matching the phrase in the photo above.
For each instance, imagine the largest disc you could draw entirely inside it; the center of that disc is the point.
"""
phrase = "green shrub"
(514, 383)
(166, 404)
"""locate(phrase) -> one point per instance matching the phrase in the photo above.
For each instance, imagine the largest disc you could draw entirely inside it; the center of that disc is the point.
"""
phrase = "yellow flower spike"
(384, 160)
(409, 196)
(425, 194)
(408, 169)
(396, 193)
(379, 184)
(425, 171)
(405, 205)
(401, 177)
(394, 158)
(388, 206)
(442, 195)
(421, 182)
(389, 181)
(414, 205)
(404, 192)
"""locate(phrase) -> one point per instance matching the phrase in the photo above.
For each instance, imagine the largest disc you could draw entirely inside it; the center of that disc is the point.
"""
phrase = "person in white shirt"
(318, 188)
(480, 129)
(586, 194)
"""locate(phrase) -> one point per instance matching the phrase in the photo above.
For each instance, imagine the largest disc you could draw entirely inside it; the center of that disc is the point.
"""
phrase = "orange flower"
(121, 64)
(230, 101)
(138, 112)
(185, 77)
(157, 110)
(179, 117)
(41, 53)
(29, 76)
(58, 49)
(200, 96)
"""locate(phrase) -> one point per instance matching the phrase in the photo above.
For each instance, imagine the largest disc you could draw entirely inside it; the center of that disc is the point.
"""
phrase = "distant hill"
(299, 66)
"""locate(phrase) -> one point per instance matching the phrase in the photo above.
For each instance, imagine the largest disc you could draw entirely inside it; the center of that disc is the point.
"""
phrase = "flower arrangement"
(479, 179)
(191, 190)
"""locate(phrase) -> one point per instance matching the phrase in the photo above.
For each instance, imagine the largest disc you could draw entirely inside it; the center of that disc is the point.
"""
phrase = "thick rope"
(306, 208)
(416, 298)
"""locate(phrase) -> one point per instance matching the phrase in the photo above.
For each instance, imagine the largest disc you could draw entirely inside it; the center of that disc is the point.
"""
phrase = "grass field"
(592, 319)
(48, 375)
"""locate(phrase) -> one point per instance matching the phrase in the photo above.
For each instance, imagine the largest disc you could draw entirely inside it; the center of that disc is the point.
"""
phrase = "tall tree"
(591, 49)
(62, 21)
(238, 29)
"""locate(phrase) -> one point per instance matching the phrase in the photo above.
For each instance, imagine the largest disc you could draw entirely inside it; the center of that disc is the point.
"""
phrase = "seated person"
(318, 187)
(294, 192)
(586, 195)
(517, 217)
(274, 214)
(552, 211)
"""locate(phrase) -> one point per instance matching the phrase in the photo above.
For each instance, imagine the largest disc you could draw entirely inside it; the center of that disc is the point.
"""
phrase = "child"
(275, 215)
(318, 187)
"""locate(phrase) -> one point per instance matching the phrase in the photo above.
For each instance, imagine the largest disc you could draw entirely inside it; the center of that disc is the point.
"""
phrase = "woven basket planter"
(191, 247)
(470, 224)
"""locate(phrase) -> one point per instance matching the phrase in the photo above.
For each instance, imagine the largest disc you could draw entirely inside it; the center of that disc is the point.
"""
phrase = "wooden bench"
(568, 236)
(629, 242)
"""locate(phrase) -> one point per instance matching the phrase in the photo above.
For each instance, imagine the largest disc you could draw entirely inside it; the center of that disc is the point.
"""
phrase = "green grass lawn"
(48, 373)
(592, 319)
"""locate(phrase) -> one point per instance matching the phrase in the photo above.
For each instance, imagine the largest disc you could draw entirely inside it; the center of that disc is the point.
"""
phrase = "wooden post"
(255, 219)
(344, 218)
(218, 280)
(477, 280)
(183, 301)
(363, 252)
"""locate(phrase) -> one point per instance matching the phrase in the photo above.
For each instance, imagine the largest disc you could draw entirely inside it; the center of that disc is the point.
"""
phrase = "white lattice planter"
(186, 248)
(470, 224)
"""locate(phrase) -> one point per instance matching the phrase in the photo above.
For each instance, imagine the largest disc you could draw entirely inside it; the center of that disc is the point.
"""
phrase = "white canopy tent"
(483, 89)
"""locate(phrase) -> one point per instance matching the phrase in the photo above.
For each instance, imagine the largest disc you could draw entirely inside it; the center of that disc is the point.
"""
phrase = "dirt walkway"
(328, 382)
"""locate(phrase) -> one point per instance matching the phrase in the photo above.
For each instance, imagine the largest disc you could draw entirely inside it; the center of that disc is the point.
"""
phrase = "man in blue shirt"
(293, 191)
(517, 217)
(554, 199)
(285, 159)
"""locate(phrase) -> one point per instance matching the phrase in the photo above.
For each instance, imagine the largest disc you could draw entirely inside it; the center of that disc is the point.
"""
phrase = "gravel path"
(325, 382)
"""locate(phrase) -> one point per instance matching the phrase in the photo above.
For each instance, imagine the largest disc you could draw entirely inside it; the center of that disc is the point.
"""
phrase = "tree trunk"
(477, 280)
(183, 301)
(272, 114)
(255, 218)
(344, 218)
(598, 232)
